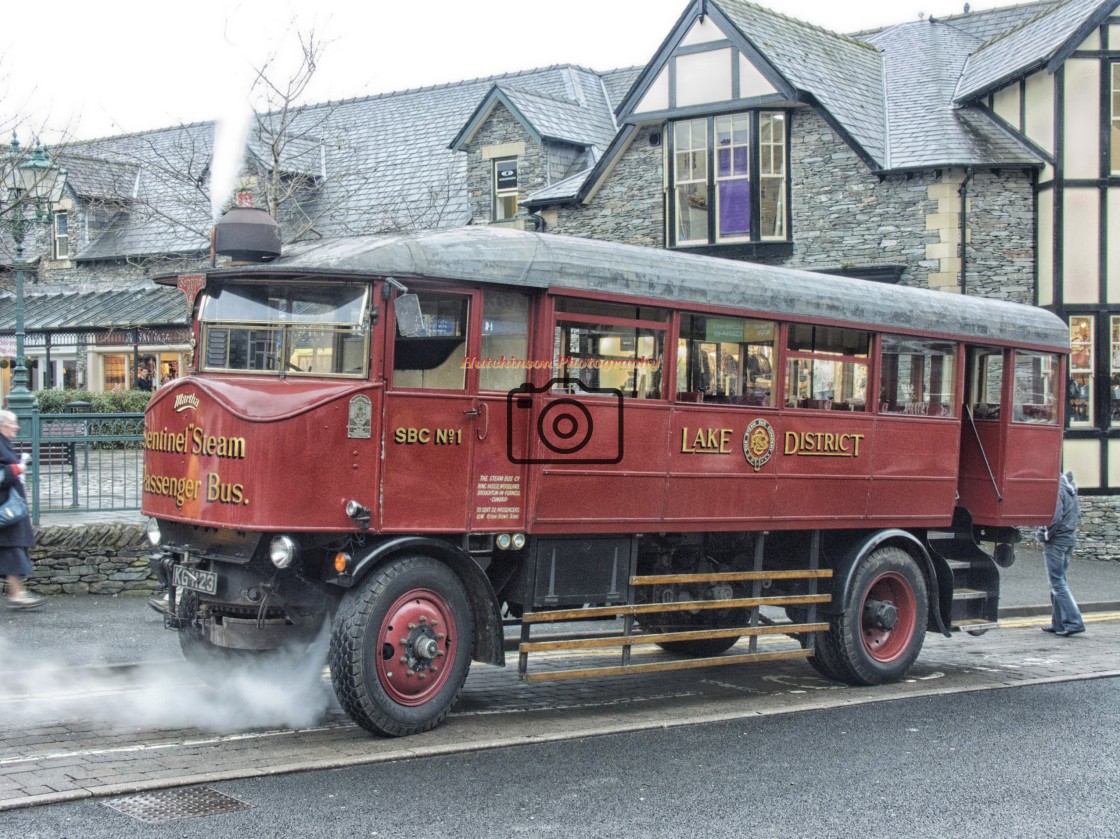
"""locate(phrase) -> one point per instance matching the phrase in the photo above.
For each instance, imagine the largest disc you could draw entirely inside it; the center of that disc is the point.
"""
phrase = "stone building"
(971, 154)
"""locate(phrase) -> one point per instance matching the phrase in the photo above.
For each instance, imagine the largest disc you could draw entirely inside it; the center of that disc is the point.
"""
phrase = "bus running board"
(624, 642)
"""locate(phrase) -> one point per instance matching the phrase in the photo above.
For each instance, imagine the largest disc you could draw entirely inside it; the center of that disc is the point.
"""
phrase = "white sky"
(91, 69)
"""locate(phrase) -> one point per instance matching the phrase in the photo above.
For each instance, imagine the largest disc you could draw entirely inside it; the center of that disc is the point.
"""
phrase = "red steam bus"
(421, 439)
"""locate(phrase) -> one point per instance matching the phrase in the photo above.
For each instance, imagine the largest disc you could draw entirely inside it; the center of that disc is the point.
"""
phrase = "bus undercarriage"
(408, 614)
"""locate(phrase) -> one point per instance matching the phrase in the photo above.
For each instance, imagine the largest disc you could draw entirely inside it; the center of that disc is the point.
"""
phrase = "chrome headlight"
(151, 529)
(503, 541)
(282, 550)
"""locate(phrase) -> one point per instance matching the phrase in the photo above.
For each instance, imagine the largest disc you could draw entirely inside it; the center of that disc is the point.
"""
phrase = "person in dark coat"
(144, 379)
(1057, 548)
(15, 539)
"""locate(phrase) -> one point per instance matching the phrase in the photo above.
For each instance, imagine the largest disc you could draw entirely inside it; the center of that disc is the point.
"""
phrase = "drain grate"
(172, 804)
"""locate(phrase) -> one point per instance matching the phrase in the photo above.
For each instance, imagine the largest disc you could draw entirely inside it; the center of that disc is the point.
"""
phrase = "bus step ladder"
(975, 605)
(615, 651)
(974, 626)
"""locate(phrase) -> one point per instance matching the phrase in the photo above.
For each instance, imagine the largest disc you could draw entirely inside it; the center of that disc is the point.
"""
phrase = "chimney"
(247, 234)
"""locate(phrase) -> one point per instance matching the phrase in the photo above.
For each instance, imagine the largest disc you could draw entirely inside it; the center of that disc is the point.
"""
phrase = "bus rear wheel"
(879, 632)
(401, 646)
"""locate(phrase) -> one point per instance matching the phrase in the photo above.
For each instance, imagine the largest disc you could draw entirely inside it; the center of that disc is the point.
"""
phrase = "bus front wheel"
(879, 632)
(401, 647)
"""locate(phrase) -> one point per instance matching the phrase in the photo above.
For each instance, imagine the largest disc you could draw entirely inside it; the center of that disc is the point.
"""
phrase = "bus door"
(1034, 432)
(445, 463)
(983, 432)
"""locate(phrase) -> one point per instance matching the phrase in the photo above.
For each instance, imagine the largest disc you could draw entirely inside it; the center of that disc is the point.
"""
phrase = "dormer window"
(729, 181)
(505, 189)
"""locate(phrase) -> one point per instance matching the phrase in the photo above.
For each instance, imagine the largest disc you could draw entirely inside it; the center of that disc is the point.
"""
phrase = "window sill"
(742, 251)
(510, 223)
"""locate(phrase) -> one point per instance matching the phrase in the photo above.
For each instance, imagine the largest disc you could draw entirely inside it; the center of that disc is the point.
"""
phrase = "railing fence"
(83, 462)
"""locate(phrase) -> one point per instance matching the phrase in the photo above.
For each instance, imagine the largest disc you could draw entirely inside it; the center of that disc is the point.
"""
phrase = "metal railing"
(83, 462)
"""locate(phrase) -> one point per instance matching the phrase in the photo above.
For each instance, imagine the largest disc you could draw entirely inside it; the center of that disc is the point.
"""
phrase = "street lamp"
(31, 182)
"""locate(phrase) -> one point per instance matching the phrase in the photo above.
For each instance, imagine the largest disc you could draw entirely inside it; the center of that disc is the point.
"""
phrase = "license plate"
(195, 579)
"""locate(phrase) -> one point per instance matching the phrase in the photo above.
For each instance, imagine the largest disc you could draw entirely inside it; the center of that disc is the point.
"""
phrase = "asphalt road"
(1035, 761)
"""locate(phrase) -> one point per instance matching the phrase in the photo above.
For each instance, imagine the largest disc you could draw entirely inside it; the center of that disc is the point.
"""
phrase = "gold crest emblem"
(758, 443)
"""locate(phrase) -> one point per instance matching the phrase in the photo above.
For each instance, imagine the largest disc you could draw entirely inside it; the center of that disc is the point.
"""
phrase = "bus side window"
(918, 377)
(609, 346)
(986, 377)
(827, 368)
(434, 360)
(725, 360)
(1036, 384)
(505, 340)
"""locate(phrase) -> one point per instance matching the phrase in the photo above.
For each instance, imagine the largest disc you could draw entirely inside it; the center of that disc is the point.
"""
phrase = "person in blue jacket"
(1057, 547)
(15, 564)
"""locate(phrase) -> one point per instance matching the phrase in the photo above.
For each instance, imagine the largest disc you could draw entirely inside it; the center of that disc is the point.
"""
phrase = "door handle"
(483, 412)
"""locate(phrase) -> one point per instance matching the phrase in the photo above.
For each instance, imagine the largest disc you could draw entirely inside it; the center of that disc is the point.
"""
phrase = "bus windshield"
(317, 329)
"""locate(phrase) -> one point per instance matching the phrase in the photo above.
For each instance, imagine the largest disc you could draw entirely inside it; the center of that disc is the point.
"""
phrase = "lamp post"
(31, 181)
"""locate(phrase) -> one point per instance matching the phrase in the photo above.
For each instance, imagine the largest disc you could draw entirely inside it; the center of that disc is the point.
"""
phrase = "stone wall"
(629, 206)
(1001, 227)
(92, 559)
(1099, 534)
(501, 129)
(845, 216)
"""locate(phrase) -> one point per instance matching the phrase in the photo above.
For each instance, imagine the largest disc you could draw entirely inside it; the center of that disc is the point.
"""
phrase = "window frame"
(756, 390)
(274, 339)
(499, 194)
(923, 405)
(1114, 118)
(1034, 413)
(1081, 393)
(659, 330)
(467, 300)
(712, 180)
(60, 241)
(793, 358)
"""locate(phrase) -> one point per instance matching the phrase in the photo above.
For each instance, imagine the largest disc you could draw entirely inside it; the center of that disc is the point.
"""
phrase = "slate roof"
(1031, 45)
(94, 178)
(991, 23)
(898, 92)
(925, 129)
(844, 75)
(98, 310)
(170, 212)
(387, 159)
(546, 118)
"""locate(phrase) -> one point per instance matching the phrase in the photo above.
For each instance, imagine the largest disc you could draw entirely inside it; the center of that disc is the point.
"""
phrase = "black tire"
(825, 662)
(396, 680)
(700, 648)
(869, 646)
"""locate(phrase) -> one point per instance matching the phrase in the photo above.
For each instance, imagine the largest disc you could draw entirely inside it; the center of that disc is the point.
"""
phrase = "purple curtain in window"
(735, 208)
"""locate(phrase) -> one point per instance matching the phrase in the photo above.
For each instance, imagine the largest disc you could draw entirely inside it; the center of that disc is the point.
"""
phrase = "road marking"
(1091, 617)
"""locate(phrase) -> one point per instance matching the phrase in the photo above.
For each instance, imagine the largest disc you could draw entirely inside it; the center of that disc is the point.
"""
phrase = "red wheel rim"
(417, 647)
(886, 645)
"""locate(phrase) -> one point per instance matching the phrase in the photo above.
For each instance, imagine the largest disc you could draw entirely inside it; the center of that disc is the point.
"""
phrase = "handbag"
(14, 510)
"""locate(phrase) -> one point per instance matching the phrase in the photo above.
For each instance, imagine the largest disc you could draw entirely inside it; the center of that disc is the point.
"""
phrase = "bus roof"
(536, 260)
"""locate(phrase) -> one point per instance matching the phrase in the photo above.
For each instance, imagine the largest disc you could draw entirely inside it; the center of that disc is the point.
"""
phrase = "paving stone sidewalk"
(86, 746)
